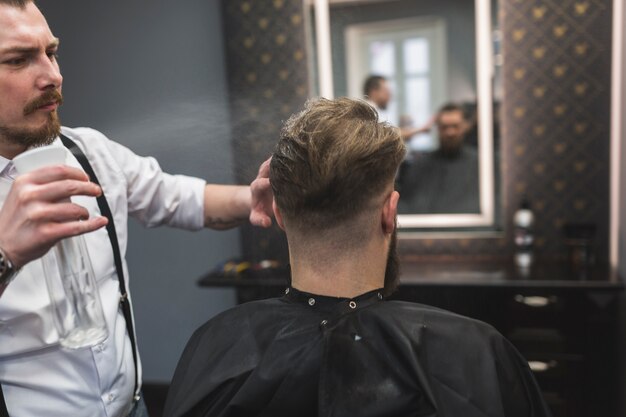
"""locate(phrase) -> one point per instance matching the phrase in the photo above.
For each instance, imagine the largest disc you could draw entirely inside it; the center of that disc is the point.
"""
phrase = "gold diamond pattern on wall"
(566, 56)
(267, 81)
(556, 115)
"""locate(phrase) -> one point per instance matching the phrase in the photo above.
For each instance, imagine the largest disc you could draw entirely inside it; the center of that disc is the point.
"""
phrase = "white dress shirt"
(38, 377)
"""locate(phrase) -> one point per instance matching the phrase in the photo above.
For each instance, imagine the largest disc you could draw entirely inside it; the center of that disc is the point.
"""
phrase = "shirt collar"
(4, 163)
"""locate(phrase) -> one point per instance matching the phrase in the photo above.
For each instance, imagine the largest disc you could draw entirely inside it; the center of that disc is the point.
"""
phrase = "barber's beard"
(392, 271)
(40, 136)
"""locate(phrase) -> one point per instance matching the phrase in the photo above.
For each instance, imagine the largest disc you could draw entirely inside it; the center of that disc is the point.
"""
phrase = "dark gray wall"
(151, 75)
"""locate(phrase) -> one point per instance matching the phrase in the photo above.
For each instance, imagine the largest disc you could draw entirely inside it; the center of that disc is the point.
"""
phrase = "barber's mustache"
(50, 96)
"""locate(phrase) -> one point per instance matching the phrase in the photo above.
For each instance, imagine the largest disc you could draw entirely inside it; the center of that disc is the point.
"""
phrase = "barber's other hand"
(262, 197)
(37, 212)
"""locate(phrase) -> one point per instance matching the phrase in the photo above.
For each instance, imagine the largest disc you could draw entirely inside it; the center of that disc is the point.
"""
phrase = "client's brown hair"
(332, 159)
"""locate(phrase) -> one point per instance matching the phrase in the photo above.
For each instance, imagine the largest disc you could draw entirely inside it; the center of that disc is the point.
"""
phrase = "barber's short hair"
(372, 83)
(452, 107)
(331, 161)
(16, 3)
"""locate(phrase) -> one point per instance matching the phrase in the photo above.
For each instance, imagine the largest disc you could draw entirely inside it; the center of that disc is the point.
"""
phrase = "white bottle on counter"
(523, 222)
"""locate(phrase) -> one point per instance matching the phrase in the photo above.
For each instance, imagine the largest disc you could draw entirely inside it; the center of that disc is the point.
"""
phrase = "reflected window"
(382, 58)
(416, 56)
(408, 54)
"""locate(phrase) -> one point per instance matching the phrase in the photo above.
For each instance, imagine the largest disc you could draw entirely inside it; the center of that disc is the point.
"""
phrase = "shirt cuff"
(190, 215)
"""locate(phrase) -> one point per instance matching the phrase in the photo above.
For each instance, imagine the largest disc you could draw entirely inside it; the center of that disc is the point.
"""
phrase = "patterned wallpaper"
(555, 115)
(558, 112)
(267, 82)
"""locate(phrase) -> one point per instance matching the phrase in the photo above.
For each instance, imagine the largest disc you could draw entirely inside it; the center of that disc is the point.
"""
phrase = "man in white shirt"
(377, 92)
(37, 376)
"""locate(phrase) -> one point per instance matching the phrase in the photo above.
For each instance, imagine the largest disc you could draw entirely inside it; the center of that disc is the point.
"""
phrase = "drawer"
(536, 310)
(538, 340)
(557, 405)
(559, 378)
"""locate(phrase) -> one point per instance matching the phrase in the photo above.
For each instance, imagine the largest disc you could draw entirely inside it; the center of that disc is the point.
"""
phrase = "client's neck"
(336, 272)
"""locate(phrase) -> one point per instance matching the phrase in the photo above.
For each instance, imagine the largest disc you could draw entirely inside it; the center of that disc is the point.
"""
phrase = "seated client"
(332, 345)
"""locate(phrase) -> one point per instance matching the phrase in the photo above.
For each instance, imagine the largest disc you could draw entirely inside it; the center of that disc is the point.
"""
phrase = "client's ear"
(390, 210)
(277, 215)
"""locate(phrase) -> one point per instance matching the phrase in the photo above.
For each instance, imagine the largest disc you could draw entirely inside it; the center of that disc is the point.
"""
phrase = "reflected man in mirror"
(445, 181)
(332, 345)
(377, 92)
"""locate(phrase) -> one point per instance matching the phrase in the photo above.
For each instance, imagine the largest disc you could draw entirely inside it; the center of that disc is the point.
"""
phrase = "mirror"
(431, 54)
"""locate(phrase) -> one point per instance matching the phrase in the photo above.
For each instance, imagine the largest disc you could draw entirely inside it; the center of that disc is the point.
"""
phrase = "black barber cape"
(309, 355)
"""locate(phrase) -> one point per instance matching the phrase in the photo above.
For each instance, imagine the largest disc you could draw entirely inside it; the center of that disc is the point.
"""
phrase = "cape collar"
(336, 304)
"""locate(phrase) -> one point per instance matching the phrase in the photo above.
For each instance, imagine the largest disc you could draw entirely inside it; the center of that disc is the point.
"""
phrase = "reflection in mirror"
(443, 178)
(428, 68)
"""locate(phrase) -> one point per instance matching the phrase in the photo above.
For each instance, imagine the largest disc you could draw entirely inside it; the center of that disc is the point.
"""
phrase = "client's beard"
(392, 271)
(44, 135)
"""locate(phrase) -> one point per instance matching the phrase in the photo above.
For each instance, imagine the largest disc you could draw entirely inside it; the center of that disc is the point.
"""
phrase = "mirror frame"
(484, 75)
(618, 133)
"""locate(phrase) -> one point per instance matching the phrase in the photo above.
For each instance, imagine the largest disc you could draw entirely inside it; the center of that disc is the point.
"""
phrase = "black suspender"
(124, 302)
(106, 211)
